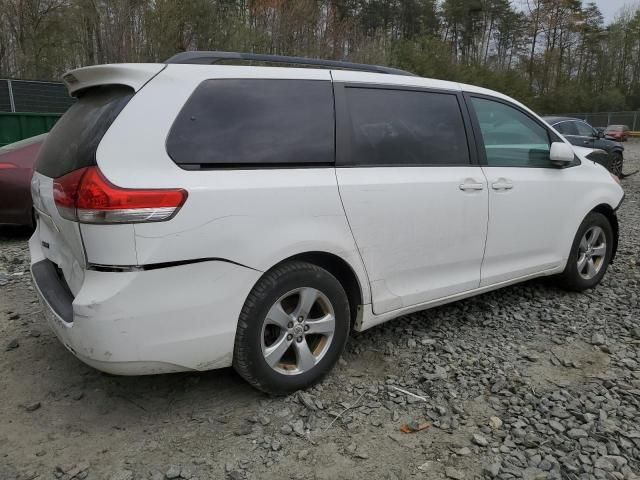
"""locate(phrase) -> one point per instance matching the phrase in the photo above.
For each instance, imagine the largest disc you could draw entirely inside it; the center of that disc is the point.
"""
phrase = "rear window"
(73, 141)
(405, 128)
(245, 123)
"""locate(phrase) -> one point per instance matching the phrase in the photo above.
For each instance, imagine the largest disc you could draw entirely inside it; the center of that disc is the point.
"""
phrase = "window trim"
(482, 154)
(343, 125)
(195, 167)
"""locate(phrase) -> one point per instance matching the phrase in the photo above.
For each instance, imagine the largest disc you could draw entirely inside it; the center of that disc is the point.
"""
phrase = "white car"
(195, 216)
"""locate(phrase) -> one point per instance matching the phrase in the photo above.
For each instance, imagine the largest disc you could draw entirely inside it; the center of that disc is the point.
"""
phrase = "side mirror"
(561, 153)
(600, 133)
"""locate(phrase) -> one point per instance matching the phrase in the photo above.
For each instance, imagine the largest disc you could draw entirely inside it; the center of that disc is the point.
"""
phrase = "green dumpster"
(18, 126)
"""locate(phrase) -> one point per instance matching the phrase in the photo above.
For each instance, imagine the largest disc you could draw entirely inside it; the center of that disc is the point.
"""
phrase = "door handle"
(587, 142)
(471, 184)
(502, 184)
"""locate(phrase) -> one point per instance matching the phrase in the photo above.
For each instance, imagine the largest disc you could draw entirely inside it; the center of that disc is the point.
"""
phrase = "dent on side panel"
(185, 315)
(255, 218)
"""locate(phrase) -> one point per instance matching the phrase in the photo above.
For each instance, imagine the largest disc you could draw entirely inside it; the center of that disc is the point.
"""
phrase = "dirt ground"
(526, 382)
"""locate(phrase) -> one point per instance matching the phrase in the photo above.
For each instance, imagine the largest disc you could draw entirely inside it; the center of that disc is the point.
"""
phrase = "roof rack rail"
(210, 58)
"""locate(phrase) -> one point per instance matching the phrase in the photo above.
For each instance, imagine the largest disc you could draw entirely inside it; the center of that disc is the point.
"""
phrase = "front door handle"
(470, 184)
(502, 184)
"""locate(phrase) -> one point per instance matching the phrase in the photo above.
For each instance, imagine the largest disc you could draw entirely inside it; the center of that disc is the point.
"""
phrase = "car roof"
(553, 120)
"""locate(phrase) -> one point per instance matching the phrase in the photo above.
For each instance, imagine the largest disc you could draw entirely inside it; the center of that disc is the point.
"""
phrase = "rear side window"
(73, 141)
(245, 123)
(403, 127)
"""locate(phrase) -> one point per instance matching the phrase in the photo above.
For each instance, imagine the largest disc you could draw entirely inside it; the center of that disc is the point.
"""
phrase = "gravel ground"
(526, 382)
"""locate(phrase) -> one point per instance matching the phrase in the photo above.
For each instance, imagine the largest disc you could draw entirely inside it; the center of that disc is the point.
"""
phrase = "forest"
(554, 55)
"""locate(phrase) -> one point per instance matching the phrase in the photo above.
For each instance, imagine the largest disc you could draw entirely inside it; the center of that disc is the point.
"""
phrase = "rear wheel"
(590, 254)
(292, 328)
(616, 164)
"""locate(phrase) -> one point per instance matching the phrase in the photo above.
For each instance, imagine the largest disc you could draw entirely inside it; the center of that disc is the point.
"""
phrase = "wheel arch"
(339, 268)
(610, 214)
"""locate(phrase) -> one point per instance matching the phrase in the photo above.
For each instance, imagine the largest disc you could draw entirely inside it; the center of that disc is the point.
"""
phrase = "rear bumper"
(146, 322)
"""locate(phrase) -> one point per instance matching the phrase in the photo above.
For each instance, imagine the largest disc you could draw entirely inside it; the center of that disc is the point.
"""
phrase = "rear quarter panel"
(255, 217)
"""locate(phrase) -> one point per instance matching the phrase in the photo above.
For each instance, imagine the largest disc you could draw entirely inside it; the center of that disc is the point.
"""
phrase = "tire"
(617, 162)
(579, 277)
(268, 352)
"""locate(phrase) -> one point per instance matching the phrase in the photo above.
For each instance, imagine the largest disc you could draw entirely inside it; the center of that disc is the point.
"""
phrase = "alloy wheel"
(297, 331)
(591, 252)
(616, 166)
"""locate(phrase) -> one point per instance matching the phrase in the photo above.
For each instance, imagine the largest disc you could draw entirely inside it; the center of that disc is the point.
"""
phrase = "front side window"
(511, 138)
(254, 122)
(405, 128)
(584, 130)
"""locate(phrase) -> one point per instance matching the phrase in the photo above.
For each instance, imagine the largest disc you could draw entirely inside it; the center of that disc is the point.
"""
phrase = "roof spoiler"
(134, 75)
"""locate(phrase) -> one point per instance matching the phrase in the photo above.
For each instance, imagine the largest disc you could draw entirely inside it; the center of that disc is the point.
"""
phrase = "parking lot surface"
(526, 382)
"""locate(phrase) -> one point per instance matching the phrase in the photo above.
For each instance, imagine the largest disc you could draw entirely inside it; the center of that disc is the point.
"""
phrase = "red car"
(16, 168)
(619, 133)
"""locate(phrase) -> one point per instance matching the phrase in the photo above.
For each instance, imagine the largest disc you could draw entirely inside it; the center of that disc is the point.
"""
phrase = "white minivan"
(194, 216)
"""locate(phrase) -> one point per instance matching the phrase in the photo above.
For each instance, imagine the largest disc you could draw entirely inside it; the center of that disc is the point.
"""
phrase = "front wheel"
(292, 328)
(616, 164)
(590, 254)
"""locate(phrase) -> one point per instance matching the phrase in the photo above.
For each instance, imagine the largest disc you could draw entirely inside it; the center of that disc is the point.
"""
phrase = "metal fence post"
(609, 119)
(11, 102)
(635, 121)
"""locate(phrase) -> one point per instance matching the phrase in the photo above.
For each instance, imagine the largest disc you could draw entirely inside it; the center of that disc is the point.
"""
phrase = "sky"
(610, 8)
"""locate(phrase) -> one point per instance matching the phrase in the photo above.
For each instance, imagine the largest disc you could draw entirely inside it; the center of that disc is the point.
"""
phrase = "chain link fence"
(604, 119)
(29, 96)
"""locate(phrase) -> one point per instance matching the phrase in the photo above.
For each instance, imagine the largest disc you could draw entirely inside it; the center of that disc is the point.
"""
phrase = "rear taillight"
(86, 196)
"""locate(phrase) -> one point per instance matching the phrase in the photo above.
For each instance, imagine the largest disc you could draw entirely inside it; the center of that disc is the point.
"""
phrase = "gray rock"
(13, 344)
(557, 426)
(598, 339)
(630, 363)
(495, 422)
(603, 463)
(307, 400)
(286, 429)
(298, 427)
(172, 472)
(32, 407)
(480, 440)
(492, 469)
(451, 472)
(576, 433)
(464, 451)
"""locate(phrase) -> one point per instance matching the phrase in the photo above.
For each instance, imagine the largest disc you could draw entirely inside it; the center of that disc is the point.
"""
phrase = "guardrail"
(604, 119)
